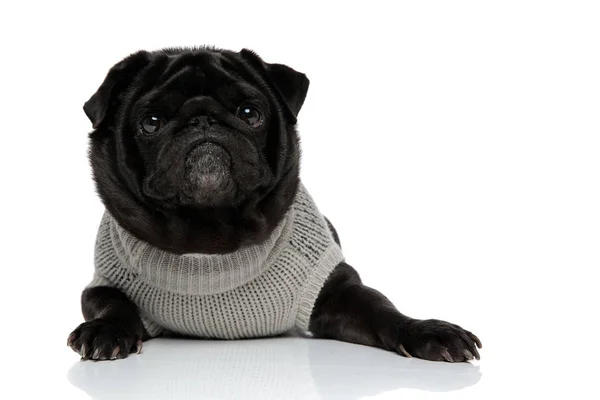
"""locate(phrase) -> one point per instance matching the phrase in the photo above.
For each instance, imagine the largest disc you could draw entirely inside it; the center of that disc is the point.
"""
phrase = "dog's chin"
(208, 180)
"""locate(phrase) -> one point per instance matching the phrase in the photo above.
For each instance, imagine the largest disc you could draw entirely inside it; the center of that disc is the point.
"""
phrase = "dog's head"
(195, 149)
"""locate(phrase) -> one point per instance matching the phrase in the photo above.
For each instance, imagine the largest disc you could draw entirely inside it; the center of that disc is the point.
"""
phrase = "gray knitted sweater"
(258, 290)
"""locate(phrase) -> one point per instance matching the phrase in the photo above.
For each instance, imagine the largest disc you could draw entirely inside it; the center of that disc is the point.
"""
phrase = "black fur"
(113, 329)
(209, 182)
(349, 311)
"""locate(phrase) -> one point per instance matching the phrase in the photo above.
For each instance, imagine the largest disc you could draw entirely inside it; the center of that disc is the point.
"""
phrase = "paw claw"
(476, 340)
(447, 356)
(403, 350)
(96, 354)
(115, 352)
(71, 339)
(139, 346)
(468, 354)
(82, 351)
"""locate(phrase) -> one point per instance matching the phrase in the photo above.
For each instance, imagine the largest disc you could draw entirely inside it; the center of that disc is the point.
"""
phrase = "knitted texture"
(259, 290)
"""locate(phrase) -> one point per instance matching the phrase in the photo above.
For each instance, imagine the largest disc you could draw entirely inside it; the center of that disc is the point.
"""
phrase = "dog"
(208, 230)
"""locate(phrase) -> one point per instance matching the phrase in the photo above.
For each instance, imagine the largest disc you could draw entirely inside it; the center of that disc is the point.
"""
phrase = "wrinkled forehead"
(202, 64)
(193, 73)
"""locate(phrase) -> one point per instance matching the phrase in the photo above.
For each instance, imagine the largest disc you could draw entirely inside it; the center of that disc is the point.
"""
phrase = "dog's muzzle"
(208, 174)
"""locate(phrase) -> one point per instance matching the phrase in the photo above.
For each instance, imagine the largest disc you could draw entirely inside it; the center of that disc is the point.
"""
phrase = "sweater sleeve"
(316, 280)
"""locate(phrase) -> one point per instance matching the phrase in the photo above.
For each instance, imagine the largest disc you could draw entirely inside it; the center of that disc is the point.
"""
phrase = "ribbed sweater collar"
(198, 273)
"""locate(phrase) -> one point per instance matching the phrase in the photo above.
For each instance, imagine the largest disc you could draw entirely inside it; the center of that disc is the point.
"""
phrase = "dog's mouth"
(208, 180)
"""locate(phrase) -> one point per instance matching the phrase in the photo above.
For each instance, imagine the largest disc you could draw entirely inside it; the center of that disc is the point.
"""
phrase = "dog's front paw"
(104, 339)
(437, 340)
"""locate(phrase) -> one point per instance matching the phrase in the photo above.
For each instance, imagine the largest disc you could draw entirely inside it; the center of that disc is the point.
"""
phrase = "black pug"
(208, 230)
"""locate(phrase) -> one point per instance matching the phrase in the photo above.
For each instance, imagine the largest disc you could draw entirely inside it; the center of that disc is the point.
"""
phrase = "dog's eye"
(151, 125)
(250, 115)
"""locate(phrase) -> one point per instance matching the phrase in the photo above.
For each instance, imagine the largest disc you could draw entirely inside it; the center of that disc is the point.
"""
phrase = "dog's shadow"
(278, 368)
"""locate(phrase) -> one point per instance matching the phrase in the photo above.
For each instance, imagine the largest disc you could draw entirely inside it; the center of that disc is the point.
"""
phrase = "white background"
(454, 145)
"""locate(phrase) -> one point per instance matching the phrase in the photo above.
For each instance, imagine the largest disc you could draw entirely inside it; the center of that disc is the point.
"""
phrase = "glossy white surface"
(282, 368)
(299, 368)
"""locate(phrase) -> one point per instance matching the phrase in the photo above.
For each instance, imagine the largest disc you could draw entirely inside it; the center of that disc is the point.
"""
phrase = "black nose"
(202, 121)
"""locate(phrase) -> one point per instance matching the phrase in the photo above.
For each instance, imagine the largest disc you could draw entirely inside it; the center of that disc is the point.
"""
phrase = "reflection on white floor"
(278, 368)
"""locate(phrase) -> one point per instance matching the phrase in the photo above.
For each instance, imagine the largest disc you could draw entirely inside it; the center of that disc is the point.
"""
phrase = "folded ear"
(290, 85)
(96, 108)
